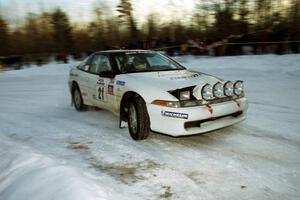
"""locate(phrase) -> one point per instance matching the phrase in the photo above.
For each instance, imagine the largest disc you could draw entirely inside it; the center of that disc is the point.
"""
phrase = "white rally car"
(150, 91)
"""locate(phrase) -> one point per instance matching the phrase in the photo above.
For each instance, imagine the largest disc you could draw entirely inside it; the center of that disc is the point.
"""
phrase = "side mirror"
(86, 67)
(107, 74)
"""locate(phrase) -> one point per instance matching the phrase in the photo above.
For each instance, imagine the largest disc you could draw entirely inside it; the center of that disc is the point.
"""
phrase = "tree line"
(53, 31)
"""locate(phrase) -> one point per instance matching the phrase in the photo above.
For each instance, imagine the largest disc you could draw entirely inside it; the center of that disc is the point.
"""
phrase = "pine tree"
(152, 26)
(62, 31)
(32, 31)
(224, 22)
(264, 12)
(243, 13)
(46, 32)
(125, 9)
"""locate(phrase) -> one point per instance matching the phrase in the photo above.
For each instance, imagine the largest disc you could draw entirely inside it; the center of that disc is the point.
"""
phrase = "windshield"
(130, 62)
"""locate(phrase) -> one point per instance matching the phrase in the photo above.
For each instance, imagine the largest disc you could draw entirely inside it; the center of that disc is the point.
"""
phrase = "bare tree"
(4, 38)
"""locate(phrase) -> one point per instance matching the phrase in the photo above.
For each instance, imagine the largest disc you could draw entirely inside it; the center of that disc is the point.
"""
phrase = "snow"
(26, 174)
(49, 151)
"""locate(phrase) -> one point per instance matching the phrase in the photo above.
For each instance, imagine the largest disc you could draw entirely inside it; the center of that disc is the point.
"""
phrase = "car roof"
(125, 51)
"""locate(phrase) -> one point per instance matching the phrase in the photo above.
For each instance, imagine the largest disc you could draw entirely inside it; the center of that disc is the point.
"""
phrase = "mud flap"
(123, 124)
(72, 102)
(123, 119)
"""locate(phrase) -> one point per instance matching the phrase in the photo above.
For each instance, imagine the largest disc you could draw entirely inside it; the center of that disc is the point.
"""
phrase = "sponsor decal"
(110, 89)
(122, 83)
(175, 114)
(101, 81)
(84, 94)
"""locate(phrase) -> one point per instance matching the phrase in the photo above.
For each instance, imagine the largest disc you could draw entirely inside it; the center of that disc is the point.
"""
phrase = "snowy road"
(50, 151)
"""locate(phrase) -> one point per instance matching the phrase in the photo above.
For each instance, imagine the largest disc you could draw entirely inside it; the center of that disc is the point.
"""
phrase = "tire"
(77, 99)
(138, 119)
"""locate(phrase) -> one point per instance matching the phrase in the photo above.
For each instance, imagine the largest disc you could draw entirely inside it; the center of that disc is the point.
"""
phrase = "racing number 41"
(101, 93)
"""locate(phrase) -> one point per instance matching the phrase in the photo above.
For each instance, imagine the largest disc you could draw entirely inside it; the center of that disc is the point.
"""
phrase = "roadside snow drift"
(29, 175)
(51, 152)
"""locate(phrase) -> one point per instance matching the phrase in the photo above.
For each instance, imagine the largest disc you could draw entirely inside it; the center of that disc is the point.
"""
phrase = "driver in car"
(139, 64)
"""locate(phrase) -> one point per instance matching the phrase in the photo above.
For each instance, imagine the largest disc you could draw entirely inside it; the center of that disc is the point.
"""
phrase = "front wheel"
(77, 99)
(138, 119)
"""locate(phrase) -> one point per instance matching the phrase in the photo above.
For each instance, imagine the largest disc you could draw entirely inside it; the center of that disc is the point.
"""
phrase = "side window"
(120, 60)
(99, 64)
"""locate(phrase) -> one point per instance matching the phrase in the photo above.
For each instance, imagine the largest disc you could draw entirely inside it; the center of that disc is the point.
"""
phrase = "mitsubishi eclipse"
(150, 91)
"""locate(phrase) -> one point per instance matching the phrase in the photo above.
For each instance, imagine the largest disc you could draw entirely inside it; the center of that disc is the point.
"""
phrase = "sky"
(81, 11)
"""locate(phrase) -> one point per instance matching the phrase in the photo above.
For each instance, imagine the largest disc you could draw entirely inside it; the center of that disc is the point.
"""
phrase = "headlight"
(218, 90)
(185, 95)
(207, 93)
(172, 104)
(238, 87)
(228, 88)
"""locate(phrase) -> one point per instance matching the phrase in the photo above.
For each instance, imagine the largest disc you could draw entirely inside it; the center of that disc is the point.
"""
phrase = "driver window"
(99, 64)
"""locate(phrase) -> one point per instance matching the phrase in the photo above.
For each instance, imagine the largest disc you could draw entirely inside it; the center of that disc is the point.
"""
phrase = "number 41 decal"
(101, 94)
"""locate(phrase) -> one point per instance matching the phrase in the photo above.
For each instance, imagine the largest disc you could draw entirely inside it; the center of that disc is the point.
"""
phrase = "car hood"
(171, 80)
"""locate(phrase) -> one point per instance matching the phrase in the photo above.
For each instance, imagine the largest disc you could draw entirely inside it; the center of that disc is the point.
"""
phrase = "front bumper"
(195, 120)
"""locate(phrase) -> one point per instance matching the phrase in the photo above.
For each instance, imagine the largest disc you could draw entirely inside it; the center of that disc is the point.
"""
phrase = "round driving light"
(238, 87)
(207, 93)
(228, 89)
(218, 90)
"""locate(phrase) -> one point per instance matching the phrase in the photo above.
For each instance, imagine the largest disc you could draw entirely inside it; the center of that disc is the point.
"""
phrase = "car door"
(83, 79)
(101, 88)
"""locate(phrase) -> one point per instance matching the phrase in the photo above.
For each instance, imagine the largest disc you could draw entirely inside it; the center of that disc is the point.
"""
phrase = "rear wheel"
(77, 99)
(138, 119)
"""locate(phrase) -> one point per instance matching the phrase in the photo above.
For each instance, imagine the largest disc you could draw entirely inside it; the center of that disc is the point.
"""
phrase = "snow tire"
(139, 128)
(77, 100)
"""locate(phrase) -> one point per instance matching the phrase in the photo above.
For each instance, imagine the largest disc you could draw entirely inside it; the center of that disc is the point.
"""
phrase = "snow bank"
(25, 174)
(47, 69)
